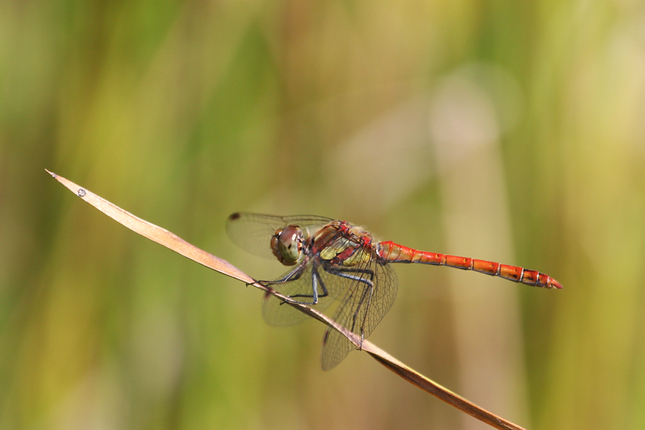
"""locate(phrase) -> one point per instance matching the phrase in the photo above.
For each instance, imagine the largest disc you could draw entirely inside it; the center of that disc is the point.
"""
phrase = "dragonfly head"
(286, 244)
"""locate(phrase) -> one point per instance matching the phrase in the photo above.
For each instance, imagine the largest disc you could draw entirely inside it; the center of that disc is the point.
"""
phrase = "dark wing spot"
(234, 216)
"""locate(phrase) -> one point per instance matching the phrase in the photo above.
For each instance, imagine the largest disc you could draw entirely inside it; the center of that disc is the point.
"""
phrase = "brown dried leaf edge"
(177, 244)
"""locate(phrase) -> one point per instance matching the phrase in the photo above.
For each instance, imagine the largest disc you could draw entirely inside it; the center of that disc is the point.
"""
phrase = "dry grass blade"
(154, 232)
(177, 244)
(437, 390)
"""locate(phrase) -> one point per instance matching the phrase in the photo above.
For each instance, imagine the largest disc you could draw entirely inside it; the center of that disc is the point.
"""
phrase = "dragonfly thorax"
(286, 244)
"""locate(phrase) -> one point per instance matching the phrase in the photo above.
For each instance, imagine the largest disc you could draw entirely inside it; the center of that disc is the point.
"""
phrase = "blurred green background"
(499, 130)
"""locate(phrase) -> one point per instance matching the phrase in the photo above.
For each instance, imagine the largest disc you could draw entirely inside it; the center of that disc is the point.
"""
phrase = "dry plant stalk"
(177, 244)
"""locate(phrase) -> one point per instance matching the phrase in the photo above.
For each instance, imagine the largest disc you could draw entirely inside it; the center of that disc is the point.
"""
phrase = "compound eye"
(288, 248)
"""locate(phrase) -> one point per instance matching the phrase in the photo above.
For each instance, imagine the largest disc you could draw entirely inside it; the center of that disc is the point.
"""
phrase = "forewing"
(253, 232)
(358, 312)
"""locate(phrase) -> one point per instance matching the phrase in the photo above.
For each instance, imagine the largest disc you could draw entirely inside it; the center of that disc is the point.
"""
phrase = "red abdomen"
(394, 253)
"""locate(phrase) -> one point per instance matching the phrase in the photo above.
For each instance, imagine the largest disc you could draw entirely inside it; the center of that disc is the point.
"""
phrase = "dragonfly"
(333, 261)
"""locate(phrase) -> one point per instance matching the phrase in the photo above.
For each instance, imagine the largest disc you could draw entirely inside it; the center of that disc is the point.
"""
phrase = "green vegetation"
(498, 130)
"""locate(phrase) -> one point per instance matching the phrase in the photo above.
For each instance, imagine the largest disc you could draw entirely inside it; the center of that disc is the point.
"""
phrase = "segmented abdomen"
(395, 253)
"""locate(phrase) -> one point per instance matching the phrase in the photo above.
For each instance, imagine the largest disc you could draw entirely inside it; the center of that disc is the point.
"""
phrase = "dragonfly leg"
(295, 274)
(346, 272)
(316, 281)
(366, 295)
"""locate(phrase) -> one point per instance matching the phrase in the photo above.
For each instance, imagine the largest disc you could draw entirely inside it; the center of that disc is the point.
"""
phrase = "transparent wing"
(365, 291)
(369, 297)
(329, 287)
(253, 231)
